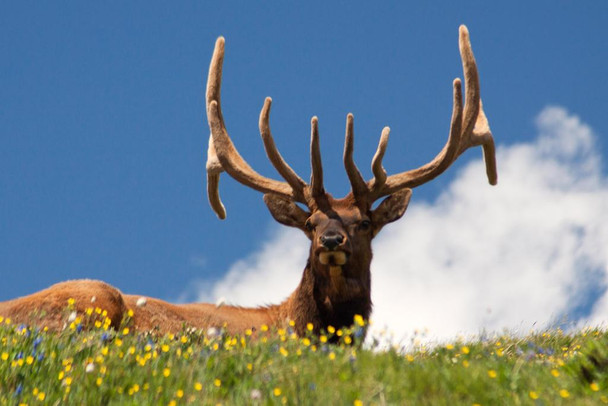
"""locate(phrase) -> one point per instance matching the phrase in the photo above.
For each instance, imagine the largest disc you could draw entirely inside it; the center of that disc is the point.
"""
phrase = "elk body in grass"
(336, 282)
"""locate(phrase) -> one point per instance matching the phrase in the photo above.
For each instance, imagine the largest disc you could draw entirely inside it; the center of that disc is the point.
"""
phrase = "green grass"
(103, 366)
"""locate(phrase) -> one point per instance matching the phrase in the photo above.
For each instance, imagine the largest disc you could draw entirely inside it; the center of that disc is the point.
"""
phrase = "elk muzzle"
(333, 248)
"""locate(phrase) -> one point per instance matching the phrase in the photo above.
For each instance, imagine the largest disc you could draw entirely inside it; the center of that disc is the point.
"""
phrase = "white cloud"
(264, 277)
(530, 250)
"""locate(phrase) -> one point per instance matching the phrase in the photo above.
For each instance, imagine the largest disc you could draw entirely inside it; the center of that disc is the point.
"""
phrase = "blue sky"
(104, 135)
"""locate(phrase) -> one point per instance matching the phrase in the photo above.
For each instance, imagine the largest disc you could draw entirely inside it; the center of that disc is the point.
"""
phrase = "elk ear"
(391, 209)
(285, 211)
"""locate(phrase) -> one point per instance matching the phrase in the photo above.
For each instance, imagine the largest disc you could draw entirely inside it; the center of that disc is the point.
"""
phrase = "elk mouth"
(333, 258)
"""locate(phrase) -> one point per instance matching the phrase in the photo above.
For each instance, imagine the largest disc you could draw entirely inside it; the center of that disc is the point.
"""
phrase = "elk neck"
(325, 300)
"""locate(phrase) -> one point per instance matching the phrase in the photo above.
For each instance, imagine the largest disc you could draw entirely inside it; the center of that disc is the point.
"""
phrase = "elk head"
(341, 230)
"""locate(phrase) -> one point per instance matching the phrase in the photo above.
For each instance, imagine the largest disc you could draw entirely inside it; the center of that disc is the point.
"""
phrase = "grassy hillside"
(119, 367)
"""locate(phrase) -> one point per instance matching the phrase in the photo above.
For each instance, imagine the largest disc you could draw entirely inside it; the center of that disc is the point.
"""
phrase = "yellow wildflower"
(309, 326)
(277, 391)
(198, 386)
(533, 395)
(166, 372)
(217, 382)
(555, 372)
(564, 393)
(492, 374)
(594, 387)
(359, 320)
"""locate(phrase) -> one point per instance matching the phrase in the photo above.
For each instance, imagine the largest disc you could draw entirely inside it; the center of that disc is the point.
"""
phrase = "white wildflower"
(256, 394)
(212, 332)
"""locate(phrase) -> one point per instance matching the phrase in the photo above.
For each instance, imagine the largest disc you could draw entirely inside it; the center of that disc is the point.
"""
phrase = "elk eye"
(309, 226)
(365, 225)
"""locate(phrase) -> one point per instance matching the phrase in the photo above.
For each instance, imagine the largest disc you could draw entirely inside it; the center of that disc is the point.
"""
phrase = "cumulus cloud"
(531, 251)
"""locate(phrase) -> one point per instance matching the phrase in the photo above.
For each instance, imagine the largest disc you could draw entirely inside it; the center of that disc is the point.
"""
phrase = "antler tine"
(476, 129)
(377, 168)
(297, 184)
(484, 136)
(359, 188)
(316, 176)
(469, 127)
(222, 154)
(440, 163)
(471, 79)
(214, 169)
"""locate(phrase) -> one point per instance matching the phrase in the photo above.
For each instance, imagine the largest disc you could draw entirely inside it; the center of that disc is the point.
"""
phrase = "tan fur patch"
(338, 258)
(337, 279)
(335, 271)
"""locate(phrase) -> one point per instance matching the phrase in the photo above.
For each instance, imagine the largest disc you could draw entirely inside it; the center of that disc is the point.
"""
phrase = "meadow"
(100, 365)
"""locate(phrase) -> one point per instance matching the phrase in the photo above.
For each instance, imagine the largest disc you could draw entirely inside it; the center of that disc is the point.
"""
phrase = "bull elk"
(335, 284)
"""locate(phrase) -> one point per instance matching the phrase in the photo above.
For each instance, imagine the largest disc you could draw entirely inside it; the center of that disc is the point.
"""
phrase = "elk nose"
(332, 240)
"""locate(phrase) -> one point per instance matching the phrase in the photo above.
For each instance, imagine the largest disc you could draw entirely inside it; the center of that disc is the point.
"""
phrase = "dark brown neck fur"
(323, 302)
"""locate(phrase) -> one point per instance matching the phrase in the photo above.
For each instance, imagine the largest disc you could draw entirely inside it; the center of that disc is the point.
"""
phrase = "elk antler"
(222, 155)
(468, 128)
